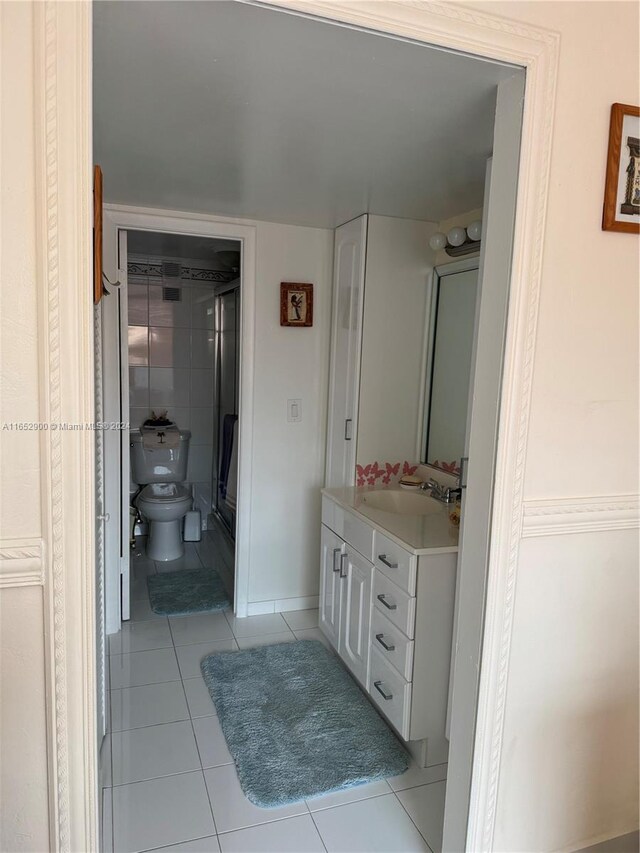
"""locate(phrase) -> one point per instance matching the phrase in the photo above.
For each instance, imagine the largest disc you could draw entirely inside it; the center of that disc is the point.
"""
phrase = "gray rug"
(188, 591)
(296, 723)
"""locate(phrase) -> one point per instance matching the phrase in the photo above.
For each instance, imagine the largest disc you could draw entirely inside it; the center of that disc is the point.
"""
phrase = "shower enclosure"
(227, 374)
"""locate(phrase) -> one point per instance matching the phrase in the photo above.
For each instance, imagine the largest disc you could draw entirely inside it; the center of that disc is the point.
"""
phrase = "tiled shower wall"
(171, 366)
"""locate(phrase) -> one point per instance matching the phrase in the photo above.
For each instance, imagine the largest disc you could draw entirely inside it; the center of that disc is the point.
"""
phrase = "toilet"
(159, 463)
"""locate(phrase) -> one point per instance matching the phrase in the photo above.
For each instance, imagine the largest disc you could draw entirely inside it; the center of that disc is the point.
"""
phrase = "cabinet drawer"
(394, 602)
(392, 644)
(391, 693)
(354, 531)
(394, 562)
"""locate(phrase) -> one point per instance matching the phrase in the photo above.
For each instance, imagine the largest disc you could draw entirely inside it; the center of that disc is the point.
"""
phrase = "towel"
(165, 438)
(232, 475)
(225, 455)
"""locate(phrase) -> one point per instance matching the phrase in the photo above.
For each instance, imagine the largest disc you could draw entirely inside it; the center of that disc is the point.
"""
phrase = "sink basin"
(404, 503)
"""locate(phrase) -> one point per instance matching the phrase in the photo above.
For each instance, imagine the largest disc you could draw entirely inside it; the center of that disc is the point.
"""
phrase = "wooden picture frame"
(296, 304)
(97, 235)
(621, 210)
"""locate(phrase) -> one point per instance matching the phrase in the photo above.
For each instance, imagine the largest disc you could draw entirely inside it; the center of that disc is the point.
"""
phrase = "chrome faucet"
(441, 493)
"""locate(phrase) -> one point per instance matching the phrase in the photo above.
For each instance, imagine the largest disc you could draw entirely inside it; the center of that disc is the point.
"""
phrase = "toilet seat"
(160, 493)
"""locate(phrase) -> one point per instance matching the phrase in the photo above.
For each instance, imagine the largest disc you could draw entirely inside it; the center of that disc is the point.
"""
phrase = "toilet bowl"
(164, 505)
(159, 463)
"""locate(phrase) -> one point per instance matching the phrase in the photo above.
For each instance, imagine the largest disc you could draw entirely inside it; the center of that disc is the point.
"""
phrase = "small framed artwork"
(296, 304)
(622, 189)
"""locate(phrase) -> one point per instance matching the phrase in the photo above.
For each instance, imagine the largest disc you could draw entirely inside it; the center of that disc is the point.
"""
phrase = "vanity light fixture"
(458, 241)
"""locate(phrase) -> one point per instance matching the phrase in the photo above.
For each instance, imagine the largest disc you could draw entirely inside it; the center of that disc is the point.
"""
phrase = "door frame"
(63, 165)
(118, 218)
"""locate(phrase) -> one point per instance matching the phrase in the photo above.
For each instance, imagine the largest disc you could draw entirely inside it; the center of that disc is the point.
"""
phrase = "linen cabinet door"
(332, 547)
(355, 619)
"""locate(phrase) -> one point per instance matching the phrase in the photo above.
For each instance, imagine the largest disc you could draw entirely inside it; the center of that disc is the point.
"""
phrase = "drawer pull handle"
(383, 559)
(384, 645)
(381, 690)
(383, 600)
(343, 571)
(335, 552)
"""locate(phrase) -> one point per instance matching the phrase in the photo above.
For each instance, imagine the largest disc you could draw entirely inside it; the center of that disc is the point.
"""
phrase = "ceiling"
(246, 111)
(179, 246)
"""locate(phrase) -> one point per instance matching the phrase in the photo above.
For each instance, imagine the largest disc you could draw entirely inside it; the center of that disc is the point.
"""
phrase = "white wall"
(398, 270)
(288, 458)
(568, 771)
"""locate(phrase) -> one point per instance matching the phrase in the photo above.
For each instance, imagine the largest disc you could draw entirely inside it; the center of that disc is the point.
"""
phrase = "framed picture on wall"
(622, 189)
(296, 304)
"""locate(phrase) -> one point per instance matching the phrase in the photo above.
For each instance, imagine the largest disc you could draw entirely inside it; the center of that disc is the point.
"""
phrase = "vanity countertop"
(420, 534)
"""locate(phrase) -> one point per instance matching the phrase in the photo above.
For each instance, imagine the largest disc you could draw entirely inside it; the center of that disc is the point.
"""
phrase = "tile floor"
(170, 782)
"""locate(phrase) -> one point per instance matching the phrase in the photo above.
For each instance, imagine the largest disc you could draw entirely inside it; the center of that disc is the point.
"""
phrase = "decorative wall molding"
(21, 562)
(580, 515)
(62, 121)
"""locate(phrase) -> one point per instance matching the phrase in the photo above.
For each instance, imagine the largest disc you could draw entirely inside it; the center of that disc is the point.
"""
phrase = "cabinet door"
(356, 614)
(332, 547)
(346, 342)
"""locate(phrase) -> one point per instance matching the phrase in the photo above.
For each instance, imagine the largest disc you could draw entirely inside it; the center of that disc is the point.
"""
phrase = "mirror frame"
(439, 272)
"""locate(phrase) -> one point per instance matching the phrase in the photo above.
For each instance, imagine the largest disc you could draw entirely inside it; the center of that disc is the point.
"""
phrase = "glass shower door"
(227, 381)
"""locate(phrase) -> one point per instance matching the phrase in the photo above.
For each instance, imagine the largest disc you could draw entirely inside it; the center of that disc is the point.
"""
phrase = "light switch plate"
(294, 411)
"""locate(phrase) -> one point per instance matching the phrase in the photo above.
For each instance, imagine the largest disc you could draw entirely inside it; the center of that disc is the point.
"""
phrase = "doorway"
(217, 496)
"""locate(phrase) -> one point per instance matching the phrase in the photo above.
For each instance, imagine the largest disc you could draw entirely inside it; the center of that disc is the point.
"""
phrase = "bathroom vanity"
(387, 591)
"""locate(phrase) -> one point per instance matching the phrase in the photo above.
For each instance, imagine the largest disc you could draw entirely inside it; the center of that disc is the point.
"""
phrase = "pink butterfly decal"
(409, 469)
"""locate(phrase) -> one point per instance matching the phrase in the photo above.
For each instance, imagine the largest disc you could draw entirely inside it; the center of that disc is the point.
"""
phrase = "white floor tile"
(351, 795)
(189, 657)
(378, 825)
(141, 611)
(425, 806)
(255, 626)
(266, 640)
(190, 560)
(313, 634)
(141, 565)
(202, 845)
(154, 751)
(139, 588)
(298, 620)
(415, 776)
(150, 705)
(198, 698)
(199, 628)
(212, 745)
(232, 810)
(139, 668)
(140, 637)
(161, 811)
(293, 835)
(107, 821)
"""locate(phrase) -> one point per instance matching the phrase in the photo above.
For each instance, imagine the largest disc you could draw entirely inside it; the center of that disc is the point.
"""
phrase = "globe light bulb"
(438, 241)
(457, 236)
(474, 230)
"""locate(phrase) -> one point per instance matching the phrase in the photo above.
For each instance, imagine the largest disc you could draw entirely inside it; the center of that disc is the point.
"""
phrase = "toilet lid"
(164, 492)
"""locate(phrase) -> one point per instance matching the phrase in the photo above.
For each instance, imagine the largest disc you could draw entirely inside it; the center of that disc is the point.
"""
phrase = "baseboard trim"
(283, 605)
(580, 515)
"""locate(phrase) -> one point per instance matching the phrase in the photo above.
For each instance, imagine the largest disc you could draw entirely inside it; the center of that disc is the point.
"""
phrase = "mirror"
(449, 354)
(417, 342)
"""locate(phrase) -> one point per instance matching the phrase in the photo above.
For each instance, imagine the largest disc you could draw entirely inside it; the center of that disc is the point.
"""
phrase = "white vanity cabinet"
(388, 613)
(346, 586)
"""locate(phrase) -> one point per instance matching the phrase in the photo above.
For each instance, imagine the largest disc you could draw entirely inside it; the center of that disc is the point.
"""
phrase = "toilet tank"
(159, 465)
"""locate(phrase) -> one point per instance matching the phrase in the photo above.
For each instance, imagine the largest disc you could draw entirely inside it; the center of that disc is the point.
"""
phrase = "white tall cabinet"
(346, 341)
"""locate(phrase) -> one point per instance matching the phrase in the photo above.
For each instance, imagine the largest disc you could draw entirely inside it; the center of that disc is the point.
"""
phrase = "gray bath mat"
(296, 723)
(188, 591)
